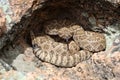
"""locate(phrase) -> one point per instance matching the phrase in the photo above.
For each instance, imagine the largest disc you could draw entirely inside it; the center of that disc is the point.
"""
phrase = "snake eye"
(35, 46)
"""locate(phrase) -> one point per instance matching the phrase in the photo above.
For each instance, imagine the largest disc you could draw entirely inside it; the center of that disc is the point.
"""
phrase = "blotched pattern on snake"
(79, 44)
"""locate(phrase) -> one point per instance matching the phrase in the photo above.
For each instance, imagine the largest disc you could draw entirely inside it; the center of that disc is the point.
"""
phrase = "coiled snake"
(79, 44)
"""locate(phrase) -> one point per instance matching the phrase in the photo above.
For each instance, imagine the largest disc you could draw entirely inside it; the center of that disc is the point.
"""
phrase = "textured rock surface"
(102, 66)
(13, 10)
(13, 15)
(114, 1)
(2, 23)
(19, 8)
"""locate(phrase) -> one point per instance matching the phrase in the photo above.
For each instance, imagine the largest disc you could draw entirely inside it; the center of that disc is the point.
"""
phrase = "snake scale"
(78, 46)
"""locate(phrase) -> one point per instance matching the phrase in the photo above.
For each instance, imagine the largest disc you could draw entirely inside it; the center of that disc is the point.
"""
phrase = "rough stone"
(2, 23)
(101, 66)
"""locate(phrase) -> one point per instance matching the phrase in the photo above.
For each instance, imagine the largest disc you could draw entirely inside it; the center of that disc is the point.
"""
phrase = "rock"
(103, 65)
(2, 70)
(23, 66)
(112, 31)
(2, 23)
(99, 67)
(19, 8)
(114, 1)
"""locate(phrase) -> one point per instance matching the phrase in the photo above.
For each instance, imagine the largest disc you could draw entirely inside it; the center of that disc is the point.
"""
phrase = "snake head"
(35, 46)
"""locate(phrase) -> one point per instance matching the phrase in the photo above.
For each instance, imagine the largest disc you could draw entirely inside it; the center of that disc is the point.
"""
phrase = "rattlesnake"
(58, 53)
